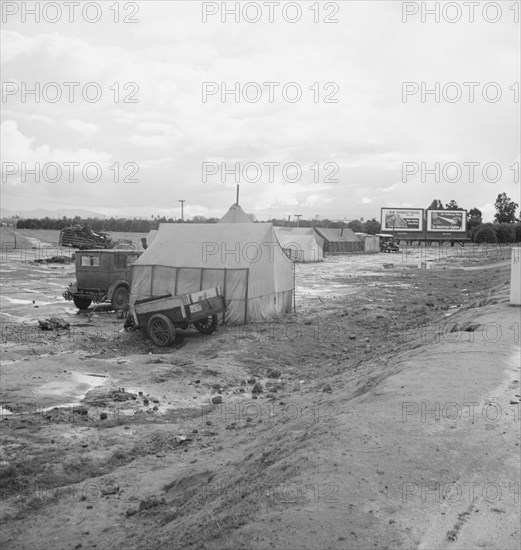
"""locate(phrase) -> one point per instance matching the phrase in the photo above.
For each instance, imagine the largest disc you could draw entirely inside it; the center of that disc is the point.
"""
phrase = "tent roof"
(235, 214)
(295, 230)
(212, 246)
(333, 234)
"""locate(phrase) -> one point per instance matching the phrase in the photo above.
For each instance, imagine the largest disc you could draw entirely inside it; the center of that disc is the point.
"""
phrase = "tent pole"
(224, 294)
(246, 301)
(294, 296)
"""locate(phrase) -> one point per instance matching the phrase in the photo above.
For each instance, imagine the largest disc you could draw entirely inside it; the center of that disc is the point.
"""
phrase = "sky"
(146, 124)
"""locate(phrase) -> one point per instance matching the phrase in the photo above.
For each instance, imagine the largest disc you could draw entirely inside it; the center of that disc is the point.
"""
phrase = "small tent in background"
(254, 272)
(301, 244)
(235, 215)
(371, 242)
(340, 241)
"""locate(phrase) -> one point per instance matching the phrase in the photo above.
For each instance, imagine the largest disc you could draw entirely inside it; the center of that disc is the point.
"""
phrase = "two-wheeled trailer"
(162, 315)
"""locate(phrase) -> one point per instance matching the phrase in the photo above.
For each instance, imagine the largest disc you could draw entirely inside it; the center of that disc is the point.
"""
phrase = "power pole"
(298, 216)
(182, 210)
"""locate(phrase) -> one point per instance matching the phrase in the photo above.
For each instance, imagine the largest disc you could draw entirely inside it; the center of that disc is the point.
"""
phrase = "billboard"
(447, 220)
(402, 219)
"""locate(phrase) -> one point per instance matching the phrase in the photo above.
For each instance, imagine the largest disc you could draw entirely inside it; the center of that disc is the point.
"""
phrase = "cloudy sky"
(337, 152)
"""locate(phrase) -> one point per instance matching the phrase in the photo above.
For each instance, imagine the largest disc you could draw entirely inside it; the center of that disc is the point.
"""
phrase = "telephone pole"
(182, 210)
(298, 216)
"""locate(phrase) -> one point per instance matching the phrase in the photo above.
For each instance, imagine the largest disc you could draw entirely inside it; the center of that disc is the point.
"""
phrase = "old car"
(102, 276)
(387, 243)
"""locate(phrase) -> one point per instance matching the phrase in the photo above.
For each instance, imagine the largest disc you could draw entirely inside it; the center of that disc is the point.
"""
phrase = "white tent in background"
(340, 240)
(235, 215)
(248, 263)
(371, 242)
(301, 244)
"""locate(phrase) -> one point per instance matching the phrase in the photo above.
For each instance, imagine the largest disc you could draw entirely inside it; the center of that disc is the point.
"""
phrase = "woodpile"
(78, 236)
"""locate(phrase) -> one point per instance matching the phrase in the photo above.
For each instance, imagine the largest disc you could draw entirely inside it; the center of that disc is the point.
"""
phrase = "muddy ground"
(367, 419)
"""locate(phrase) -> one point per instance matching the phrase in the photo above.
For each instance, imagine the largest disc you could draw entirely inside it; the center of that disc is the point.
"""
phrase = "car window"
(90, 260)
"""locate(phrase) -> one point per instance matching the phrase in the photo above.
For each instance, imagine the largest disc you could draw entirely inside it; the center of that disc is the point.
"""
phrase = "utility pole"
(182, 210)
(298, 216)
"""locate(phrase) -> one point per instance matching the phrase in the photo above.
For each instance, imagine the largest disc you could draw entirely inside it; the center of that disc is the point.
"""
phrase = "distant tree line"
(505, 229)
(128, 225)
(135, 225)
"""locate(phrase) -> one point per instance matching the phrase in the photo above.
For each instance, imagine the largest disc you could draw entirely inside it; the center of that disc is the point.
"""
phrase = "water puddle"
(19, 301)
(18, 319)
(73, 389)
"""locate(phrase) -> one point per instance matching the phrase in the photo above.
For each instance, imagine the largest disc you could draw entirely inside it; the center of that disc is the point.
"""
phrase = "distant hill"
(55, 214)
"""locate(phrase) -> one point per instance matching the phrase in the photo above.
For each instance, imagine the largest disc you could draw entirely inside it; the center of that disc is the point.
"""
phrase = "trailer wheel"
(82, 303)
(120, 298)
(207, 325)
(161, 330)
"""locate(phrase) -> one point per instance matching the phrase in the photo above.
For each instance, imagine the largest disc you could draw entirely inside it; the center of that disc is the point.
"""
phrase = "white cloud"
(169, 132)
(148, 141)
(87, 129)
(388, 189)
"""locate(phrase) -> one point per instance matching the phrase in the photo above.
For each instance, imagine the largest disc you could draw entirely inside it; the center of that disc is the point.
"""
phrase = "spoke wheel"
(161, 330)
(207, 325)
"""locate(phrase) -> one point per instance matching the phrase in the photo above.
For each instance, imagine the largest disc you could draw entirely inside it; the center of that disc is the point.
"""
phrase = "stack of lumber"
(78, 236)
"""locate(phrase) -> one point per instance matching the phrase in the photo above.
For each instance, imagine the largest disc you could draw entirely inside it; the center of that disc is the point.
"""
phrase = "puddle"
(26, 302)
(18, 319)
(72, 389)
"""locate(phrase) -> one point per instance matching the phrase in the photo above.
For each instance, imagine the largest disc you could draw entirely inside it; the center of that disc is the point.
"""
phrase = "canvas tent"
(371, 242)
(301, 244)
(235, 215)
(255, 274)
(340, 241)
(147, 241)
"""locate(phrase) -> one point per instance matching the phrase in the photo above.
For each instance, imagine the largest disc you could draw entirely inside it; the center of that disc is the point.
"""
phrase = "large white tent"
(301, 244)
(149, 238)
(256, 275)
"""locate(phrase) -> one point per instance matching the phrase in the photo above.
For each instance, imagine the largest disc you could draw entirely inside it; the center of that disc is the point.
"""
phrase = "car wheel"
(161, 330)
(207, 325)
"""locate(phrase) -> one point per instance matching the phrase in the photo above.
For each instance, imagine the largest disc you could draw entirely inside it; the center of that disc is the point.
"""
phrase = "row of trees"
(504, 205)
(143, 226)
(504, 228)
(496, 233)
(109, 224)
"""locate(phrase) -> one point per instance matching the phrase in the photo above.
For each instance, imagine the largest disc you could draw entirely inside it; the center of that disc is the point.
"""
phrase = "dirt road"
(375, 427)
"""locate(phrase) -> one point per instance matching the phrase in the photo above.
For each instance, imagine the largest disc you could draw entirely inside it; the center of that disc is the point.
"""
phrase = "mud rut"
(143, 451)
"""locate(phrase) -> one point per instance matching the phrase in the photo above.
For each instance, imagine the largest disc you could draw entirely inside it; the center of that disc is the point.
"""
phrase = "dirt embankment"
(362, 421)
